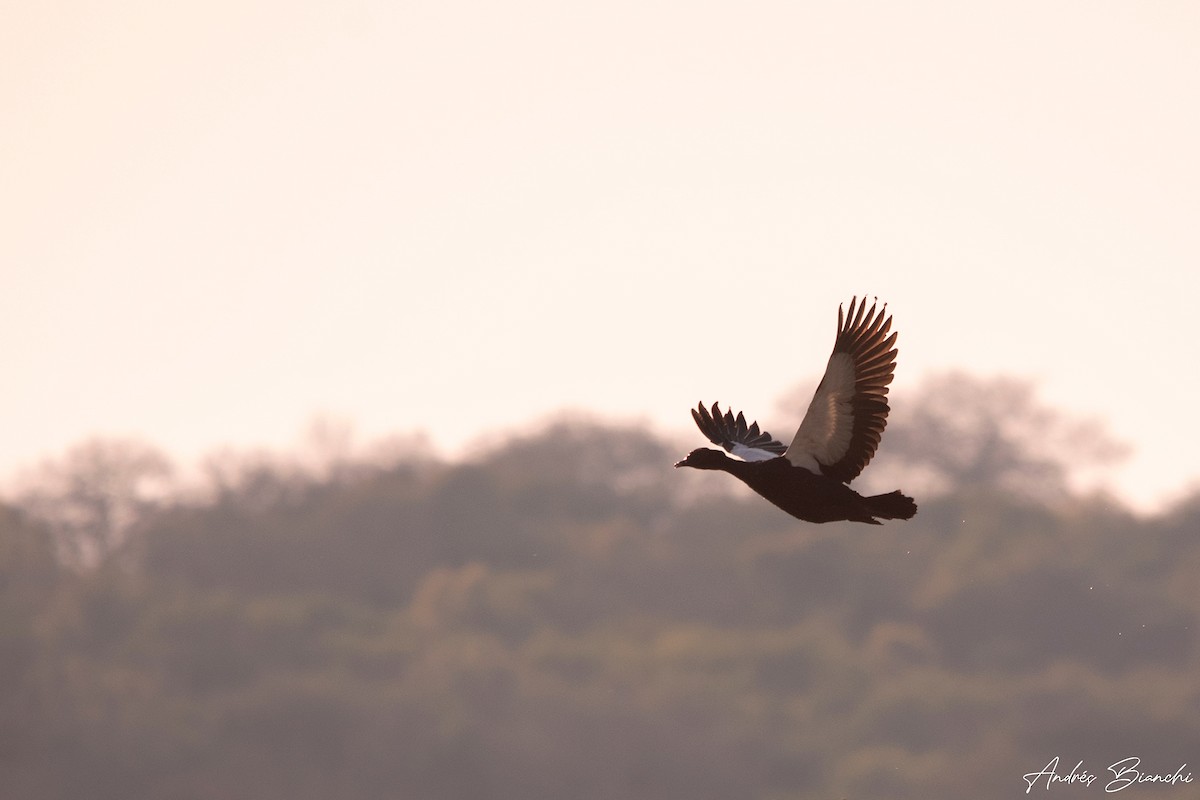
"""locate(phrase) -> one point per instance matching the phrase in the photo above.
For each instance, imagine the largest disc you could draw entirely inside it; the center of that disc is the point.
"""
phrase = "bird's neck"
(735, 467)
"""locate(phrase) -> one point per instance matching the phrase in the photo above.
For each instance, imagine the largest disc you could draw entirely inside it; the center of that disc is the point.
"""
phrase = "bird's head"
(704, 458)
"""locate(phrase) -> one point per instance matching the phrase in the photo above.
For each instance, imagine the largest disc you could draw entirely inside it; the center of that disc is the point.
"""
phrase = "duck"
(837, 437)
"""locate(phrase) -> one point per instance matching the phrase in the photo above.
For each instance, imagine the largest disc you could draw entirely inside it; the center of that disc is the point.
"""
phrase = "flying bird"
(836, 440)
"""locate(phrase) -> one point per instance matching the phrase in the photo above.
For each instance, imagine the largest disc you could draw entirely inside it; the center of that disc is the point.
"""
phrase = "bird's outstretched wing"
(745, 441)
(848, 413)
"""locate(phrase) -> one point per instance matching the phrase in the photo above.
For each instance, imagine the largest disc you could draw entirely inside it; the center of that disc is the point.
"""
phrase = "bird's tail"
(892, 505)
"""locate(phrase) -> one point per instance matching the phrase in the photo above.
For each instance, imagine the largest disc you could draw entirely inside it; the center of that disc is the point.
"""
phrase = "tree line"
(564, 615)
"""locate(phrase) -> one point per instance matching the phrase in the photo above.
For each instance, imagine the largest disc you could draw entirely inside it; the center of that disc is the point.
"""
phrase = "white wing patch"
(744, 441)
(751, 453)
(824, 435)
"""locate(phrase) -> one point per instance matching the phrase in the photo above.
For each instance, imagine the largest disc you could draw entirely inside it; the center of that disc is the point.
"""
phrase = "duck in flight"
(836, 439)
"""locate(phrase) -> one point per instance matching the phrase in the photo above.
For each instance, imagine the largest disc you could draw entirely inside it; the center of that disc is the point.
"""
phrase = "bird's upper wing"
(744, 441)
(848, 413)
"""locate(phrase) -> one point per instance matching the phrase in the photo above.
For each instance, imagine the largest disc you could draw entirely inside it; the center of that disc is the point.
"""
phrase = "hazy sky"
(221, 218)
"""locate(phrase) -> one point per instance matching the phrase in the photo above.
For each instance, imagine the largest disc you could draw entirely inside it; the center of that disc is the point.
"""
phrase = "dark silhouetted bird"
(836, 439)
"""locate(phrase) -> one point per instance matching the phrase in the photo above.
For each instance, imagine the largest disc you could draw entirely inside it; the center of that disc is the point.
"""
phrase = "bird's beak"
(678, 464)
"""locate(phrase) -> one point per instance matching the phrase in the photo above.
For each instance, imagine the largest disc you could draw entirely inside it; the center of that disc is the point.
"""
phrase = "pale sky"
(220, 219)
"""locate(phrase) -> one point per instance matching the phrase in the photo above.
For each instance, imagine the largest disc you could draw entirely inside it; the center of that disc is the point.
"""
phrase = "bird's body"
(835, 441)
(804, 494)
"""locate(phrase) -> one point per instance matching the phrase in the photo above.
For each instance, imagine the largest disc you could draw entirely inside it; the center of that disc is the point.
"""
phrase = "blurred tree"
(90, 496)
(582, 467)
(29, 576)
(253, 480)
(960, 432)
(549, 620)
